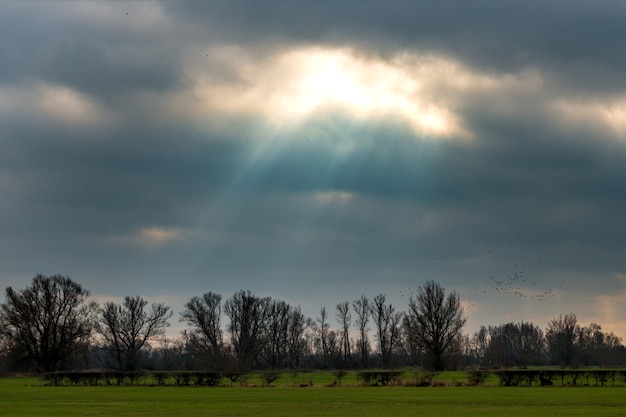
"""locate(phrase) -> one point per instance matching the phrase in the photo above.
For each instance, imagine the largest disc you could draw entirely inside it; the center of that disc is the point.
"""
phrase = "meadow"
(31, 397)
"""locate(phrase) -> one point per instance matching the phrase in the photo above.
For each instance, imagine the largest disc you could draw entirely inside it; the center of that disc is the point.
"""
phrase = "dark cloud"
(496, 36)
(73, 46)
(163, 194)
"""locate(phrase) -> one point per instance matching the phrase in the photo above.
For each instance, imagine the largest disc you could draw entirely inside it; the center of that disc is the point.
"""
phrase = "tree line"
(52, 325)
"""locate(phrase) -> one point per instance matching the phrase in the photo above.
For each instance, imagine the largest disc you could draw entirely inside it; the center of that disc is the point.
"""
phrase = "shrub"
(423, 378)
(380, 377)
(339, 374)
(269, 377)
(476, 376)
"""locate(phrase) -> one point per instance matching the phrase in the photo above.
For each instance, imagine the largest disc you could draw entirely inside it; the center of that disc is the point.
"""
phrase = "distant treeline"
(52, 326)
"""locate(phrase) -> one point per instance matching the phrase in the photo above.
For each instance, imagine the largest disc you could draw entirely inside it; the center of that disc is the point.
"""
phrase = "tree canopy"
(435, 320)
(48, 319)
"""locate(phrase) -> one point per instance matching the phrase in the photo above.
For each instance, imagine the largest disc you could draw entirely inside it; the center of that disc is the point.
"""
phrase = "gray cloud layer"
(149, 197)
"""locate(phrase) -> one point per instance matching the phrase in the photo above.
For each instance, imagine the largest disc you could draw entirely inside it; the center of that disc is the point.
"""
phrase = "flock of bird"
(514, 282)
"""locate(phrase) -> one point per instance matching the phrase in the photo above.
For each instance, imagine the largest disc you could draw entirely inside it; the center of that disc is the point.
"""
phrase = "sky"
(315, 151)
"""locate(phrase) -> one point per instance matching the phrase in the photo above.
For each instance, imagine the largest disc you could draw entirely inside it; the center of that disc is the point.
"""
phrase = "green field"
(30, 397)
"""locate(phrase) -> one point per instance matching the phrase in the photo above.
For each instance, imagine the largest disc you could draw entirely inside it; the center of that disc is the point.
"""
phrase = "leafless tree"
(590, 344)
(361, 307)
(322, 327)
(612, 351)
(248, 326)
(511, 344)
(561, 339)
(344, 318)
(47, 320)
(127, 327)
(296, 343)
(411, 343)
(387, 321)
(275, 350)
(203, 314)
(437, 320)
(333, 349)
(480, 346)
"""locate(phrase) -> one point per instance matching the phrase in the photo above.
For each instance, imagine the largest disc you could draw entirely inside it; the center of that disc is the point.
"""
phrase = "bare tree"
(204, 315)
(275, 350)
(511, 344)
(596, 347)
(411, 343)
(296, 343)
(387, 322)
(126, 328)
(248, 326)
(344, 318)
(322, 327)
(333, 349)
(612, 351)
(47, 320)
(531, 344)
(561, 339)
(437, 320)
(361, 307)
(590, 344)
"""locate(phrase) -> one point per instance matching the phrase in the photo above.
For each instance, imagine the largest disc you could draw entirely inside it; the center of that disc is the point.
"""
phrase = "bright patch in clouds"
(608, 117)
(294, 85)
(150, 237)
(334, 197)
(427, 92)
(52, 102)
(156, 235)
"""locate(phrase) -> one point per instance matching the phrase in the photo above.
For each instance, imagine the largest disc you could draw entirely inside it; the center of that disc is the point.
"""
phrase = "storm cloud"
(315, 151)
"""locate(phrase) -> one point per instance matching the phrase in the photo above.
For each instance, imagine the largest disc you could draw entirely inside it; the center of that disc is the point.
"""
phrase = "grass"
(29, 397)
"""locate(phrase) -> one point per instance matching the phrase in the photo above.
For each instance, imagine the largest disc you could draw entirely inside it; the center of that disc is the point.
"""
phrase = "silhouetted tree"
(248, 326)
(480, 346)
(333, 349)
(344, 318)
(126, 328)
(532, 345)
(561, 339)
(362, 309)
(321, 330)
(46, 321)
(411, 343)
(511, 344)
(387, 322)
(594, 347)
(296, 343)
(437, 320)
(589, 344)
(203, 314)
(275, 350)
(613, 351)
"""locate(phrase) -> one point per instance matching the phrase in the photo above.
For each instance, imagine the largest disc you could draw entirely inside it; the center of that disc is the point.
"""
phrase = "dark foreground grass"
(29, 397)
